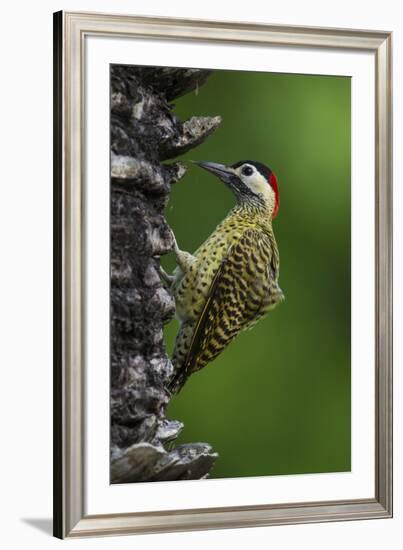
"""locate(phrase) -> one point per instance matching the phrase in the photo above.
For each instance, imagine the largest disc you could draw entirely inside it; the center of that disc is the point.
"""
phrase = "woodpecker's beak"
(225, 173)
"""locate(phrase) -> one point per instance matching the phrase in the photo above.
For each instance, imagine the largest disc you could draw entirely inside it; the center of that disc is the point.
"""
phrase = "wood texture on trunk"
(144, 133)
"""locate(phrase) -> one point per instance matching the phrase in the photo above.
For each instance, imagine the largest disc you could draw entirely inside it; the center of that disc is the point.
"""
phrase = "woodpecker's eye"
(247, 171)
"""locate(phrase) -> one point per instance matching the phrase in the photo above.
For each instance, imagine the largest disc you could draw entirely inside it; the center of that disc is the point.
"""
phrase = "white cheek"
(269, 195)
(260, 185)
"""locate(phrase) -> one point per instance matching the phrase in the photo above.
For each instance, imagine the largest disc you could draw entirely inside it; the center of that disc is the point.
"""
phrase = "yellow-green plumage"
(228, 285)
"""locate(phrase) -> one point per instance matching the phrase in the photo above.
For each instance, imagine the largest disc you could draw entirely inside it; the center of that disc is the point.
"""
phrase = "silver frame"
(70, 31)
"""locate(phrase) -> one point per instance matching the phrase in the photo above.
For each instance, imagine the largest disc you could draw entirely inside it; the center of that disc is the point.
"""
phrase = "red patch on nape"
(274, 186)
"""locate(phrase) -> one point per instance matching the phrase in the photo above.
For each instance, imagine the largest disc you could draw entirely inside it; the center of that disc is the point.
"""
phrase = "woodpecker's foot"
(183, 259)
(166, 279)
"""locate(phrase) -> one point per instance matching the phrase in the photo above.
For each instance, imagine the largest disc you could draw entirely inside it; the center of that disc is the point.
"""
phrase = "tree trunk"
(145, 132)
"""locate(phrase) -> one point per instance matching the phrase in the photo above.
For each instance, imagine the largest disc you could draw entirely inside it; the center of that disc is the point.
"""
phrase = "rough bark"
(145, 132)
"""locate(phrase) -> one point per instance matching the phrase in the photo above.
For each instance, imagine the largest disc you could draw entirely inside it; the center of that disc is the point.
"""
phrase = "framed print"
(223, 292)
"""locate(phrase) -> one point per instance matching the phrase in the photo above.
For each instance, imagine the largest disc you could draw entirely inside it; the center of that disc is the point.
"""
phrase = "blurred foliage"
(277, 400)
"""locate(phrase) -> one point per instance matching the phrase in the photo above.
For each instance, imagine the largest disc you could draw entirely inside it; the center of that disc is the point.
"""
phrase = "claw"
(168, 279)
(175, 246)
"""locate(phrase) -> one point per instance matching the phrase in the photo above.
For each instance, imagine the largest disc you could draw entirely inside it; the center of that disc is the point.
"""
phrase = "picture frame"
(70, 516)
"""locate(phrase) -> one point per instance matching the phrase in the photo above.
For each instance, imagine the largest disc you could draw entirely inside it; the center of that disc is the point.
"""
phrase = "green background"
(277, 400)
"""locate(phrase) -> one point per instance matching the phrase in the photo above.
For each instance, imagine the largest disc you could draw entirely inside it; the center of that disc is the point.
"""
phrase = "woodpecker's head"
(251, 182)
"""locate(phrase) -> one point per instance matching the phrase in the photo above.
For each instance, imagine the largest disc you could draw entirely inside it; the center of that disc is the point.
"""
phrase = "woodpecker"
(231, 281)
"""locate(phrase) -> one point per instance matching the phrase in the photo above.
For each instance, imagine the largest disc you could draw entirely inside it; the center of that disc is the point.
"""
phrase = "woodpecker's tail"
(182, 343)
(177, 382)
